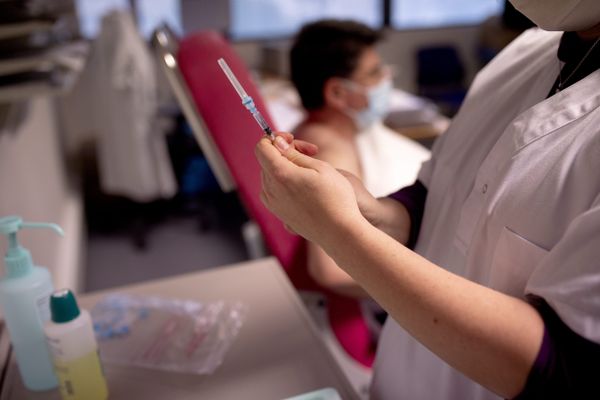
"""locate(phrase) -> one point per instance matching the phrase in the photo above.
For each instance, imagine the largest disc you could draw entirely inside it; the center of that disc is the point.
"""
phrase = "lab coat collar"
(557, 111)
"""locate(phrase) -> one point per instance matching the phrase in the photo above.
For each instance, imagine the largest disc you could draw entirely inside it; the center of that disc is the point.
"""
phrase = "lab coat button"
(484, 188)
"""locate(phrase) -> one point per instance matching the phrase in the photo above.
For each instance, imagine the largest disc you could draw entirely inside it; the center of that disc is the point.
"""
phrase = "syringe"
(246, 100)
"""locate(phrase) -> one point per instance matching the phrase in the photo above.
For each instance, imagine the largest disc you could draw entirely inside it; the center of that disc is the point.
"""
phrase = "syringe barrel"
(262, 122)
(249, 104)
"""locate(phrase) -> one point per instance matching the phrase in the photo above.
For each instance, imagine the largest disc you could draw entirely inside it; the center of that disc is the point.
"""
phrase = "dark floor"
(129, 243)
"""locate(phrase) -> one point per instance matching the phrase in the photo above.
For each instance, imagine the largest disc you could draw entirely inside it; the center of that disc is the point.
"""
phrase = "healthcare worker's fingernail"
(281, 144)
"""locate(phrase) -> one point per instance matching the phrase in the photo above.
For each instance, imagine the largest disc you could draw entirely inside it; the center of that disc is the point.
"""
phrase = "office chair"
(227, 128)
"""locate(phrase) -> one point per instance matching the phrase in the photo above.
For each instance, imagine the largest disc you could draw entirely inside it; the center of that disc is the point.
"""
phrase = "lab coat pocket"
(513, 262)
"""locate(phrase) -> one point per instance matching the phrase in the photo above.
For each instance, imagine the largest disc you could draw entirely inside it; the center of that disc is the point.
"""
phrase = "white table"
(278, 352)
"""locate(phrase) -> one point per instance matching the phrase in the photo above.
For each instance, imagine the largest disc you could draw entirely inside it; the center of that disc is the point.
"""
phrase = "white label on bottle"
(55, 346)
(43, 306)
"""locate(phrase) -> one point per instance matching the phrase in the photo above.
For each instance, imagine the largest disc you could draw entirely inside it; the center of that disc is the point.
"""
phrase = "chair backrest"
(235, 133)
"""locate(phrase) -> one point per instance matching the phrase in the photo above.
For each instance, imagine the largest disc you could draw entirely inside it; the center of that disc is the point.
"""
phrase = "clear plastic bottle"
(71, 339)
(24, 294)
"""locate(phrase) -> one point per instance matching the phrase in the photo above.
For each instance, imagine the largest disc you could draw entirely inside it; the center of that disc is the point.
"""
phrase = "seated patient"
(344, 87)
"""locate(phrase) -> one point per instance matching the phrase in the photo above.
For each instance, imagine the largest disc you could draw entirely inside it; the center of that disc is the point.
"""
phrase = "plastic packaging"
(24, 293)
(323, 394)
(173, 335)
(74, 350)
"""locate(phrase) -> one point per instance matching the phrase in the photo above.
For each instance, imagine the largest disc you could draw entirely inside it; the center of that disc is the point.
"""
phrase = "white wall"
(204, 14)
(35, 185)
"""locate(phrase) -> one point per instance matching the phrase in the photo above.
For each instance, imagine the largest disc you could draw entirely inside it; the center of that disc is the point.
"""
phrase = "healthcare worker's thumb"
(294, 155)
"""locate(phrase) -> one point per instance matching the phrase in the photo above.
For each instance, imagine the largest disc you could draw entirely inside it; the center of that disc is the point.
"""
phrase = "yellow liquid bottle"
(71, 341)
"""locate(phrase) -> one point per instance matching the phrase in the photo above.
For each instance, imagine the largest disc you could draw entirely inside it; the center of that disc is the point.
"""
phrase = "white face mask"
(561, 15)
(378, 97)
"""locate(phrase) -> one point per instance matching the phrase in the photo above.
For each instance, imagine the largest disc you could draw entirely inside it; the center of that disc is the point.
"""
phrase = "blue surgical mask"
(377, 107)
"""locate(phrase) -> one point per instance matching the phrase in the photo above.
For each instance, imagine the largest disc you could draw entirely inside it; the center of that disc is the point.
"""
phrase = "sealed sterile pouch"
(174, 335)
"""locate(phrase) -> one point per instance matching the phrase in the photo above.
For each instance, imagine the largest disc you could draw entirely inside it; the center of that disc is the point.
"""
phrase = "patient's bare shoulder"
(340, 151)
(319, 134)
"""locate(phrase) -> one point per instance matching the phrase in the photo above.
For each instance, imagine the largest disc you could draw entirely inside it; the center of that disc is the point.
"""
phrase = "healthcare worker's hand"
(367, 203)
(384, 213)
(308, 195)
(302, 146)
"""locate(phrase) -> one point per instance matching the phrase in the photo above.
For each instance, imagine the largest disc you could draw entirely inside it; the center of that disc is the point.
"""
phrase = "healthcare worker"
(501, 295)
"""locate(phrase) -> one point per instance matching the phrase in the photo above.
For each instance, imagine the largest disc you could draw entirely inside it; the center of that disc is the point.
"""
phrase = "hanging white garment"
(513, 203)
(132, 153)
(389, 161)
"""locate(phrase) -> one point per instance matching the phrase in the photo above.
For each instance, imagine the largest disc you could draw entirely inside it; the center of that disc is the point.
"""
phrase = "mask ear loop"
(354, 86)
(388, 72)
(357, 88)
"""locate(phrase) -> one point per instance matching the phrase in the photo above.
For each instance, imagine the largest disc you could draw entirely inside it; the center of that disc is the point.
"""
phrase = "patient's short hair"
(326, 49)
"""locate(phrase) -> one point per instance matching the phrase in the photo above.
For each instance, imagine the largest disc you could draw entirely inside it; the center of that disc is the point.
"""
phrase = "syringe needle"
(234, 82)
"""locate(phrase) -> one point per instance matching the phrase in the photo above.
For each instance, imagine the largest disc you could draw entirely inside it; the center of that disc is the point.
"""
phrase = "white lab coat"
(513, 203)
(132, 151)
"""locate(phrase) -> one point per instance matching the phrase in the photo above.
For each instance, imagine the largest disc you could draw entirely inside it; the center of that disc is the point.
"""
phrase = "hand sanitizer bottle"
(73, 345)
(24, 295)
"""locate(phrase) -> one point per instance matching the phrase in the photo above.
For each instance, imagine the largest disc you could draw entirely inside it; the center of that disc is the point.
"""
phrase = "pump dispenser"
(24, 295)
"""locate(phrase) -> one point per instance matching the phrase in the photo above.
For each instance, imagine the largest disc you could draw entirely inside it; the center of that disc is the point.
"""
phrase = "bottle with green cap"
(24, 293)
(70, 336)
